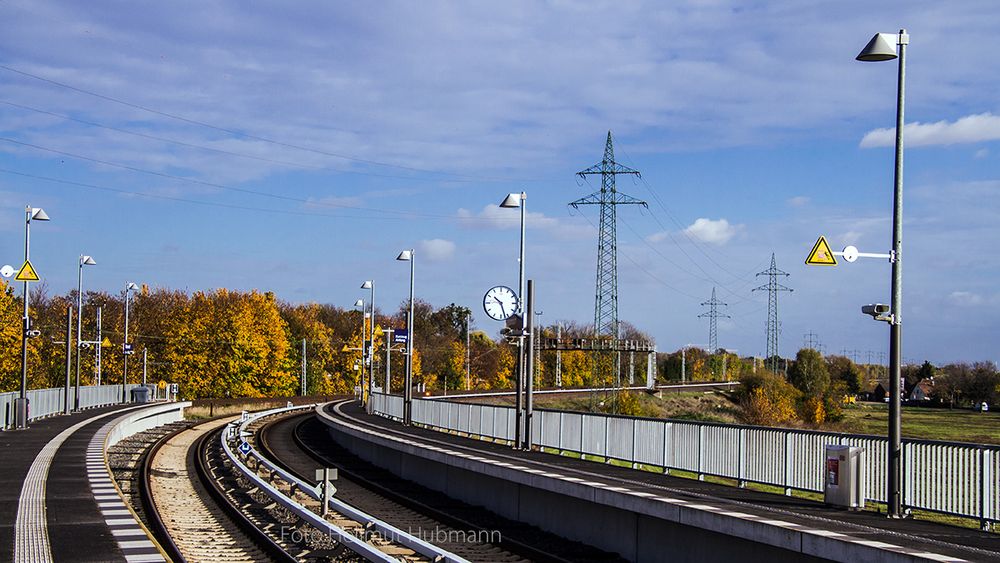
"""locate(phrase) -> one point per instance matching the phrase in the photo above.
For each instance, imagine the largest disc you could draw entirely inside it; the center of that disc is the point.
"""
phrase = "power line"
(226, 152)
(236, 133)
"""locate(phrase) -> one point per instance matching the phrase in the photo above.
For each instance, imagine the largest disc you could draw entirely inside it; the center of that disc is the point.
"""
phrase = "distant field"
(958, 425)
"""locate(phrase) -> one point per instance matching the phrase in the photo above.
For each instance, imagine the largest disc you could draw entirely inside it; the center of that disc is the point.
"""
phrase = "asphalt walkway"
(52, 479)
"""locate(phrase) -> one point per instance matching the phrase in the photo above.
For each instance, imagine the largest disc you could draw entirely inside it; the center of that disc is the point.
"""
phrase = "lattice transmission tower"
(772, 287)
(606, 307)
(713, 315)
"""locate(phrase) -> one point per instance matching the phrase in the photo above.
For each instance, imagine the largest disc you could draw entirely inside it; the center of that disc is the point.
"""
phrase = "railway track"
(467, 531)
(190, 522)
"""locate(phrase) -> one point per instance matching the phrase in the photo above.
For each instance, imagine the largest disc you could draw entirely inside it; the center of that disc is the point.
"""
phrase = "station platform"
(57, 500)
(726, 508)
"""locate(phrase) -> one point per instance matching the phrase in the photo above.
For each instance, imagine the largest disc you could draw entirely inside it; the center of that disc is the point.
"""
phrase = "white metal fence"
(947, 477)
(47, 402)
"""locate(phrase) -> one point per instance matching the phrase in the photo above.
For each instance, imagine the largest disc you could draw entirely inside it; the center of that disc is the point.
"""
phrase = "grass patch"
(209, 408)
(956, 425)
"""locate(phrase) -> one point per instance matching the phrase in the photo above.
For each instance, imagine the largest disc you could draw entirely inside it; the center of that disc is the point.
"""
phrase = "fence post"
(788, 463)
(607, 425)
(559, 439)
(741, 459)
(701, 446)
(635, 464)
(986, 487)
(667, 428)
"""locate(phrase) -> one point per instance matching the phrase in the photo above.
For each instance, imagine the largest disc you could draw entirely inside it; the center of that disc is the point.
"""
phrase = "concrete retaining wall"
(637, 528)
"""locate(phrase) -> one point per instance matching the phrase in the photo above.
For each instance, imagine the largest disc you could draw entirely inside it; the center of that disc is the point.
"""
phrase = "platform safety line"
(131, 536)
(31, 528)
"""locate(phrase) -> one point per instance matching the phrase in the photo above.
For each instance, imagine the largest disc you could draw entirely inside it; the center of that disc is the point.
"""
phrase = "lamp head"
(368, 284)
(405, 255)
(511, 201)
(87, 261)
(131, 286)
(359, 303)
(882, 47)
(38, 214)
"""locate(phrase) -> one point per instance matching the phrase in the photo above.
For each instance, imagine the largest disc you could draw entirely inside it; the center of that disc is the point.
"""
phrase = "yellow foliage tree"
(225, 343)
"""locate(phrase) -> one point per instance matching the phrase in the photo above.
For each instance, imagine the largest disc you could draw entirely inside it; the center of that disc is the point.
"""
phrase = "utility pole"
(387, 332)
(468, 353)
(69, 355)
(683, 365)
(302, 383)
(97, 347)
(772, 287)
(713, 315)
(559, 355)
(144, 350)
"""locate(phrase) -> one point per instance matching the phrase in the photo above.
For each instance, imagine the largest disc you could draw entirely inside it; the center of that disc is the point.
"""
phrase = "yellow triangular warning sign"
(26, 273)
(106, 343)
(821, 254)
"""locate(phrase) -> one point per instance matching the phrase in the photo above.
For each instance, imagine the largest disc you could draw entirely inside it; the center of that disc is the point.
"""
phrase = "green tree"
(809, 373)
(841, 368)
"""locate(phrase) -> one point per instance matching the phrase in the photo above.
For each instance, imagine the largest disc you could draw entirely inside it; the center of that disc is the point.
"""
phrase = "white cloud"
(714, 232)
(491, 217)
(965, 299)
(968, 129)
(798, 201)
(436, 250)
(494, 217)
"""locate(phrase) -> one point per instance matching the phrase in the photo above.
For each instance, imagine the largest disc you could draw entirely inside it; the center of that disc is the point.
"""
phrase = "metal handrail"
(385, 529)
(948, 477)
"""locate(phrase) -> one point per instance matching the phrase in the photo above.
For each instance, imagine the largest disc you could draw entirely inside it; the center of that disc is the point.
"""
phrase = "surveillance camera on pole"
(878, 311)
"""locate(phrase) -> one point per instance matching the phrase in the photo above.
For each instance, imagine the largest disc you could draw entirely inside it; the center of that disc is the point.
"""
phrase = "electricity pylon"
(606, 307)
(772, 287)
(713, 315)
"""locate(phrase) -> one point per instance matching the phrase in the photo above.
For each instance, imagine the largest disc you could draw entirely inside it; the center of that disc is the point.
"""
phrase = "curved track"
(191, 521)
(467, 531)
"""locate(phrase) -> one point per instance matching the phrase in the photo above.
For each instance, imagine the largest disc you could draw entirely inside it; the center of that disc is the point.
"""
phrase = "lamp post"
(361, 303)
(370, 350)
(21, 403)
(407, 256)
(84, 261)
(126, 347)
(511, 201)
(881, 48)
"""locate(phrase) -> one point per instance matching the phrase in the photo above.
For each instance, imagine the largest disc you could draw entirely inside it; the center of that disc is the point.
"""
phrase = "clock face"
(500, 302)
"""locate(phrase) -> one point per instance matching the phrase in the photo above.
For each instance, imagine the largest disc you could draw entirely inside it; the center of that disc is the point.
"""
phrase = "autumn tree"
(230, 344)
(766, 399)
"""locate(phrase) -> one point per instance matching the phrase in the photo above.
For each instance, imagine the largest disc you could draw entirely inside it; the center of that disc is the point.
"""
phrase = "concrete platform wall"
(558, 507)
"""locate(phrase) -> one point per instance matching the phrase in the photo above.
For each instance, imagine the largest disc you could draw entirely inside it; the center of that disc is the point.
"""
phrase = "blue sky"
(298, 148)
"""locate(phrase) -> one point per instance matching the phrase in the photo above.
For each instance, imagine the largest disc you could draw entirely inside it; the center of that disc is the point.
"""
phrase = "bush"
(766, 399)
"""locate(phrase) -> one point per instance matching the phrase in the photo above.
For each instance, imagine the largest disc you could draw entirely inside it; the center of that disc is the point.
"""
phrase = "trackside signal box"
(843, 483)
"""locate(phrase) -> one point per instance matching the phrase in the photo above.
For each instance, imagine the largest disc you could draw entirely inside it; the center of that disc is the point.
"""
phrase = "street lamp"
(21, 403)
(361, 303)
(407, 256)
(881, 48)
(511, 201)
(84, 261)
(126, 347)
(370, 352)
